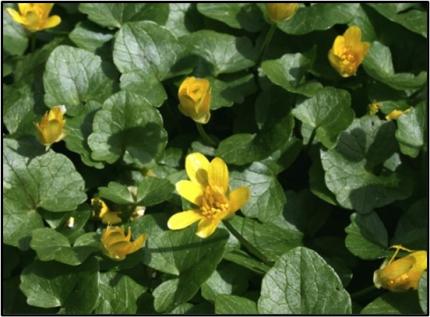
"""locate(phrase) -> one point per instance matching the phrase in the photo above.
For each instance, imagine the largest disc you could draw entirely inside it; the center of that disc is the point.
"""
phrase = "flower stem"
(246, 244)
(363, 292)
(32, 42)
(205, 136)
(267, 40)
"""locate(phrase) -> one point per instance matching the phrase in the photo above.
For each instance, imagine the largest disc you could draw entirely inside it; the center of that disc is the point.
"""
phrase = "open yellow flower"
(208, 189)
(195, 99)
(281, 11)
(402, 274)
(50, 129)
(117, 245)
(34, 16)
(107, 216)
(348, 52)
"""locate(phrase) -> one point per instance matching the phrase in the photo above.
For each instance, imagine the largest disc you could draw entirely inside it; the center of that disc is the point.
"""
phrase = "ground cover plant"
(215, 158)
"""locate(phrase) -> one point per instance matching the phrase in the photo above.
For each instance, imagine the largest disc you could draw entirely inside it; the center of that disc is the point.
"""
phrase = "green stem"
(32, 42)
(363, 292)
(246, 244)
(267, 40)
(205, 136)
(311, 138)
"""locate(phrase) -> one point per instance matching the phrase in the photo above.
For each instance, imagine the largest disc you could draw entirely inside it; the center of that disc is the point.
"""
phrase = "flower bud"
(117, 245)
(34, 16)
(401, 274)
(195, 99)
(348, 52)
(50, 129)
(396, 114)
(281, 11)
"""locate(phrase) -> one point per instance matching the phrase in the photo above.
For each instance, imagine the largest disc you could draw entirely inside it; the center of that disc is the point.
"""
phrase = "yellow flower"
(396, 114)
(195, 99)
(374, 108)
(50, 129)
(208, 189)
(107, 216)
(402, 274)
(281, 11)
(117, 245)
(35, 16)
(348, 52)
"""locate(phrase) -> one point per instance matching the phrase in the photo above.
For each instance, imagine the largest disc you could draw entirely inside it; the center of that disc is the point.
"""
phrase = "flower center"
(213, 202)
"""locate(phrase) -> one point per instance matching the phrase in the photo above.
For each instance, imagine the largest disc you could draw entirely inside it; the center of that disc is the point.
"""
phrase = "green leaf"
(317, 182)
(180, 253)
(233, 305)
(89, 36)
(394, 303)
(51, 245)
(318, 17)
(328, 113)
(18, 111)
(267, 197)
(14, 36)
(50, 284)
(74, 76)
(423, 292)
(145, 85)
(412, 228)
(268, 239)
(118, 294)
(152, 191)
(225, 53)
(413, 20)
(77, 130)
(353, 169)
(289, 73)
(183, 18)
(411, 128)
(47, 181)
(145, 46)
(301, 282)
(367, 237)
(32, 65)
(117, 14)
(303, 212)
(379, 65)
(127, 126)
(275, 132)
(117, 193)
(242, 258)
(226, 93)
(236, 15)
(226, 279)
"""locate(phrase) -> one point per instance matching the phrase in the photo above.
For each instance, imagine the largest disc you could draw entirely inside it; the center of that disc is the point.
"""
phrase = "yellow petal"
(183, 219)
(52, 21)
(15, 15)
(196, 166)
(207, 227)
(25, 7)
(190, 191)
(352, 35)
(339, 46)
(137, 244)
(45, 8)
(218, 174)
(238, 198)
